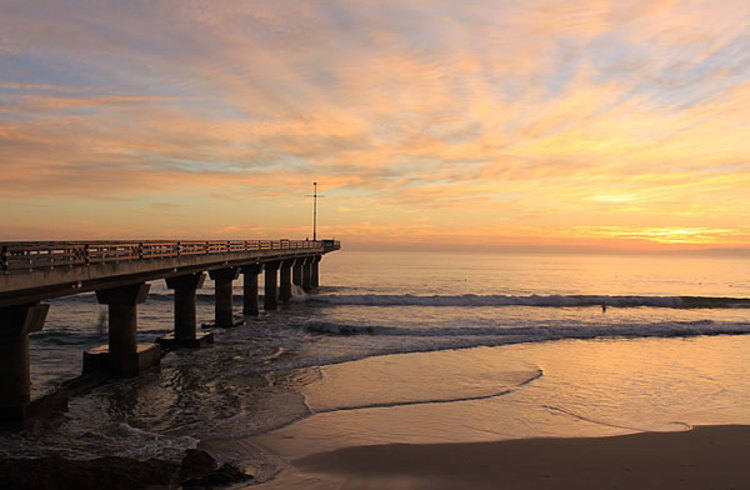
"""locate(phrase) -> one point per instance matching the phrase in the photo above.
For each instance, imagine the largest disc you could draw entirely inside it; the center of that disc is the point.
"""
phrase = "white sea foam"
(141, 444)
(357, 342)
(554, 300)
(298, 292)
(541, 332)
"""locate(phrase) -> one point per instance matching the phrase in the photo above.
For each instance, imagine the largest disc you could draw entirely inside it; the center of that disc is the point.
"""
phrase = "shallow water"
(419, 347)
(564, 388)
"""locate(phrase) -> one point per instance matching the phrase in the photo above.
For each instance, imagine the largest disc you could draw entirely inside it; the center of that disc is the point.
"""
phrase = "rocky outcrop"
(198, 471)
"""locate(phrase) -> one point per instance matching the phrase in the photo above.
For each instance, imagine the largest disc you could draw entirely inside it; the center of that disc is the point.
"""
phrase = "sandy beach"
(707, 457)
(603, 415)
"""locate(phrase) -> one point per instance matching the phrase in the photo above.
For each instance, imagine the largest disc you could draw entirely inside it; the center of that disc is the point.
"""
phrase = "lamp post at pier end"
(315, 197)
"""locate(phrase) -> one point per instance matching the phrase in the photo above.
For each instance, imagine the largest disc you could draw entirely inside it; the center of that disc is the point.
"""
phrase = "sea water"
(418, 347)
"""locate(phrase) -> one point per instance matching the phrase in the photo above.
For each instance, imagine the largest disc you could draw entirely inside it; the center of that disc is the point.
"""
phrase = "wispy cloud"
(428, 117)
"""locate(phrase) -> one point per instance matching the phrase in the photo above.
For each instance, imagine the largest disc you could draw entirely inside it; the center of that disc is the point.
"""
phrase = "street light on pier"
(315, 197)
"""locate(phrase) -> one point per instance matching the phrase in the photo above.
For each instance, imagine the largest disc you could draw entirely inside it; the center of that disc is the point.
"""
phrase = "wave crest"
(553, 300)
(537, 333)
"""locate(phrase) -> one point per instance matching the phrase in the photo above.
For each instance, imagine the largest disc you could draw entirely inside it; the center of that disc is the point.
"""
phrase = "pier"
(119, 273)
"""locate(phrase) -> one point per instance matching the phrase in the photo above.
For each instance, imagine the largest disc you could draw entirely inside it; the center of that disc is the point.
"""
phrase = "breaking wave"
(538, 333)
(554, 300)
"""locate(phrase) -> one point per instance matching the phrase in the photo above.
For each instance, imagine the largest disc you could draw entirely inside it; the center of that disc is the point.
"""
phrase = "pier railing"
(27, 256)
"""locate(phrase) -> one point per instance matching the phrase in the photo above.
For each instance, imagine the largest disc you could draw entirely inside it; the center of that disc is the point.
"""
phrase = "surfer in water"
(604, 308)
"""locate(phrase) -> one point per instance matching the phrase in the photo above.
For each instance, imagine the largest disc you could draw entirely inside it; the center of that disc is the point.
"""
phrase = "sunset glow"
(543, 124)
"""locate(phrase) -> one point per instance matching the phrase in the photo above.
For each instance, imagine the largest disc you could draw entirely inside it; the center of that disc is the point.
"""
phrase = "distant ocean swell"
(540, 333)
(553, 300)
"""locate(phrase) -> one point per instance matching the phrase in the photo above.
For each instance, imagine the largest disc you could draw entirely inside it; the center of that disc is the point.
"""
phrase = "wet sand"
(707, 457)
(604, 415)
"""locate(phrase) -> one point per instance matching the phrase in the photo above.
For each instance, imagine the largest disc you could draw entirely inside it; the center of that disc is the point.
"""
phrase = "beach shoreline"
(604, 414)
(705, 457)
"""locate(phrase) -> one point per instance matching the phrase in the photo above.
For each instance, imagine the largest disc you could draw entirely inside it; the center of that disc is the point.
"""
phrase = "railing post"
(86, 255)
(140, 250)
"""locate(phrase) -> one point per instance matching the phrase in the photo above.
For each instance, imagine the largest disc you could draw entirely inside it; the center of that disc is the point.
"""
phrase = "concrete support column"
(285, 279)
(185, 288)
(16, 323)
(297, 272)
(315, 273)
(269, 295)
(307, 274)
(123, 323)
(250, 289)
(223, 285)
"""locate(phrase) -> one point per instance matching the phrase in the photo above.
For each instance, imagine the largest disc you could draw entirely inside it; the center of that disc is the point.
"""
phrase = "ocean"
(417, 347)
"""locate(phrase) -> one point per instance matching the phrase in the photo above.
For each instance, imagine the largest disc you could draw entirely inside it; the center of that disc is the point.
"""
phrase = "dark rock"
(196, 467)
(198, 471)
(113, 473)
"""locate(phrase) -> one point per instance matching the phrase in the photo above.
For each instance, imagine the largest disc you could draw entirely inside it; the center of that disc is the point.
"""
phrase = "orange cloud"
(598, 120)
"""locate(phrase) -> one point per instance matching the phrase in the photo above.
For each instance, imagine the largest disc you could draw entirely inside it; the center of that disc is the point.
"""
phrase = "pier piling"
(250, 305)
(297, 271)
(285, 278)
(16, 323)
(307, 274)
(223, 285)
(124, 356)
(185, 322)
(269, 293)
(315, 272)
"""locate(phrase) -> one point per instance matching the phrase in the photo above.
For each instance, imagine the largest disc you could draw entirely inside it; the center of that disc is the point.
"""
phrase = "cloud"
(534, 113)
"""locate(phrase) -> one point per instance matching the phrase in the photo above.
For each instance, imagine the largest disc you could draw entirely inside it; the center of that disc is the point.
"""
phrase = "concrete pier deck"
(35, 271)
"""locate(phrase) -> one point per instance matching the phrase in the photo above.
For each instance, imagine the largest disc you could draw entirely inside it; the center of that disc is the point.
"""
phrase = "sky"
(428, 124)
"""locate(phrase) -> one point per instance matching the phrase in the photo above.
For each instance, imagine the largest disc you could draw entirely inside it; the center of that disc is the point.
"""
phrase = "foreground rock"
(198, 471)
